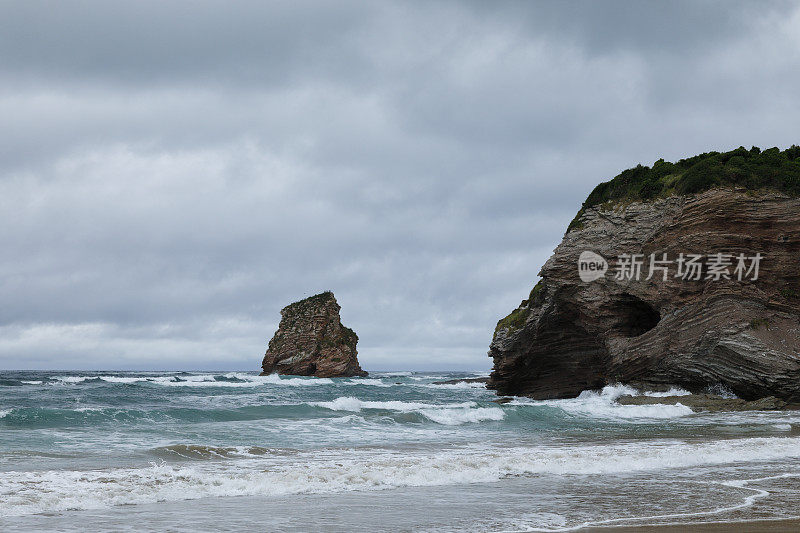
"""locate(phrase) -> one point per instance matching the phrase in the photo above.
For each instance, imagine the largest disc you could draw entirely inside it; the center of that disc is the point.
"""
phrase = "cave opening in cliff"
(635, 316)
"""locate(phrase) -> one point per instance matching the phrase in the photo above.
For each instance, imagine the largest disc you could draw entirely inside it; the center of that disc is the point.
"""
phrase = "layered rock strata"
(571, 335)
(311, 341)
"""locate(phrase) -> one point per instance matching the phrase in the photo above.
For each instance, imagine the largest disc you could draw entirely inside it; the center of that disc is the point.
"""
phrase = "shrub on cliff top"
(753, 169)
(515, 320)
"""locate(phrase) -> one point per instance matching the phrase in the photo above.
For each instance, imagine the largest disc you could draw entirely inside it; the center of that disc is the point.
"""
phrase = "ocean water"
(217, 451)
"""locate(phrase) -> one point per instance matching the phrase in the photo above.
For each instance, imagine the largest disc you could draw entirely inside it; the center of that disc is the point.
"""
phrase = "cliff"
(698, 323)
(311, 341)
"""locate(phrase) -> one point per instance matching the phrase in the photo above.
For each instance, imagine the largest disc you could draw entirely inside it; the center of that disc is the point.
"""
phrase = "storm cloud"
(173, 173)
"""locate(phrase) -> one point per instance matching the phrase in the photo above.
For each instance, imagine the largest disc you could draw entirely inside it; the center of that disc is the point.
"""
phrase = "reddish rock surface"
(311, 341)
(571, 335)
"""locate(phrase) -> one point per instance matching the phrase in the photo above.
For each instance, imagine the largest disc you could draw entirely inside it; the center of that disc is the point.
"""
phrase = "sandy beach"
(760, 526)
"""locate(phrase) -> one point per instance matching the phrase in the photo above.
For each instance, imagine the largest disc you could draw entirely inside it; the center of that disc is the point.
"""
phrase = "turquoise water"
(217, 450)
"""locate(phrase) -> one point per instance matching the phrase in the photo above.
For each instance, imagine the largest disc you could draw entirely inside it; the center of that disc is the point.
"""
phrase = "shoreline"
(767, 525)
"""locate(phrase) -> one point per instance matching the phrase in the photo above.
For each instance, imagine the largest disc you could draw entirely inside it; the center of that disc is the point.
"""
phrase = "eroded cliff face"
(311, 341)
(572, 335)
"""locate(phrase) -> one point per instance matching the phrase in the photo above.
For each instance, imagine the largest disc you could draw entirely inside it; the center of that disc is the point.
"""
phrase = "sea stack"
(731, 322)
(311, 341)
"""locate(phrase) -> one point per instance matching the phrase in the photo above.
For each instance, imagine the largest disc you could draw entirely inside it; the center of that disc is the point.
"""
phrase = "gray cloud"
(172, 174)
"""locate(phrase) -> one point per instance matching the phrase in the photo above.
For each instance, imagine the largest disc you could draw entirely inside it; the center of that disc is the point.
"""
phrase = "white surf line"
(748, 501)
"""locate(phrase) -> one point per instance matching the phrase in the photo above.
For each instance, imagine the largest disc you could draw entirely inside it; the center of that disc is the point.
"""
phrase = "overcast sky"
(173, 173)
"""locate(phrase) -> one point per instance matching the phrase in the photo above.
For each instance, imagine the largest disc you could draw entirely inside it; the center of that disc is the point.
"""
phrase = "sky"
(172, 174)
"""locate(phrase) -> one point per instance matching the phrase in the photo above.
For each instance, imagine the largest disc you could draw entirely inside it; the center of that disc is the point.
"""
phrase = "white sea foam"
(447, 414)
(611, 392)
(603, 405)
(27, 492)
(111, 379)
(202, 380)
(673, 391)
(207, 383)
(5, 412)
(369, 382)
(275, 379)
(459, 385)
(454, 417)
(615, 391)
(341, 404)
(73, 379)
(31, 382)
(348, 403)
(599, 410)
(123, 379)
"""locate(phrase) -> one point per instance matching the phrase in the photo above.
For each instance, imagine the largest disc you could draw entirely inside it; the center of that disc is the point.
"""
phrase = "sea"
(395, 451)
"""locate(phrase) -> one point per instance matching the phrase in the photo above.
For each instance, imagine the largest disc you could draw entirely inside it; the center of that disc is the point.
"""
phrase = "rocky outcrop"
(710, 402)
(571, 335)
(311, 341)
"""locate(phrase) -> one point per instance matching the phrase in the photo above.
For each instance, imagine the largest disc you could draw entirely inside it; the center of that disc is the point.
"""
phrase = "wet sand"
(760, 526)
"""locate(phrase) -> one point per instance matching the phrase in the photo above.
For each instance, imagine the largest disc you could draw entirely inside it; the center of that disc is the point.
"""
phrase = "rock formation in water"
(699, 331)
(311, 341)
(710, 402)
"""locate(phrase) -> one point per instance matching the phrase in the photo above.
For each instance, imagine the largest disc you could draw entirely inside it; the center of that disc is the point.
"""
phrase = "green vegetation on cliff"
(516, 319)
(753, 169)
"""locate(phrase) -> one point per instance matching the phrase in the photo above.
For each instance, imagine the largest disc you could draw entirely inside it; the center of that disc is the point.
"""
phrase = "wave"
(196, 451)
(602, 405)
(447, 414)
(44, 417)
(673, 391)
(17, 382)
(348, 403)
(88, 416)
(372, 382)
(275, 379)
(593, 405)
(454, 417)
(27, 492)
(230, 379)
(459, 385)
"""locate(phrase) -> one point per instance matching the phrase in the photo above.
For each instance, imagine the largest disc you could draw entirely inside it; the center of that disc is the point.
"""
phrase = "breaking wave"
(230, 379)
(449, 414)
(602, 405)
(57, 490)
